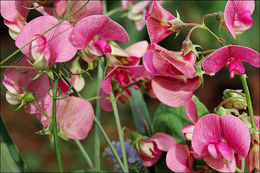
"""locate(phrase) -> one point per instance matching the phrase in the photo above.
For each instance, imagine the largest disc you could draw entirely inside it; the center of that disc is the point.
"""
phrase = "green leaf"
(11, 160)
(171, 120)
(88, 171)
(140, 113)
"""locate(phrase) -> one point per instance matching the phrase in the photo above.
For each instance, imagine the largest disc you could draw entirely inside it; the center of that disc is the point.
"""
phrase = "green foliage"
(11, 160)
(171, 120)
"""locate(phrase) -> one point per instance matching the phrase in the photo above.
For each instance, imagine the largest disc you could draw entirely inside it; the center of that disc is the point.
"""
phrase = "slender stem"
(110, 13)
(191, 30)
(119, 130)
(54, 121)
(243, 164)
(220, 41)
(103, 132)
(42, 111)
(207, 15)
(229, 99)
(24, 67)
(84, 153)
(248, 100)
(98, 116)
(18, 50)
(104, 4)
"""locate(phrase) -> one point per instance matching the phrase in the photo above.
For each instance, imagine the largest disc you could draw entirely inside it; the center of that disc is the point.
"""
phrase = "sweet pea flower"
(237, 16)
(74, 115)
(100, 29)
(60, 7)
(161, 23)
(150, 150)
(217, 139)
(18, 84)
(52, 47)
(120, 74)
(232, 57)
(131, 55)
(15, 15)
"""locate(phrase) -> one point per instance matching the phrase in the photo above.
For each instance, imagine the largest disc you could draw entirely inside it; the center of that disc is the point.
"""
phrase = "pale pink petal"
(213, 150)
(178, 158)
(236, 134)
(225, 150)
(191, 112)
(99, 25)
(207, 130)
(163, 141)
(148, 62)
(176, 96)
(187, 132)
(160, 13)
(150, 161)
(215, 61)
(138, 49)
(105, 103)
(219, 164)
(76, 117)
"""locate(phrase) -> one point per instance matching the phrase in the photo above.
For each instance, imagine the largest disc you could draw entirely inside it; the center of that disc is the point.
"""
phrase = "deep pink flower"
(158, 23)
(232, 57)
(18, 83)
(150, 150)
(100, 29)
(50, 48)
(60, 7)
(179, 158)
(15, 15)
(217, 139)
(75, 116)
(238, 16)
(131, 55)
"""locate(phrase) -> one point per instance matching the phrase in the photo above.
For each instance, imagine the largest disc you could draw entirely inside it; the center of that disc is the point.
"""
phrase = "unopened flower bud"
(239, 101)
(220, 18)
(187, 132)
(28, 97)
(11, 99)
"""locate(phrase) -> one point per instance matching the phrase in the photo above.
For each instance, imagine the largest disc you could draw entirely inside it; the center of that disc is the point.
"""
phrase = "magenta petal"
(138, 49)
(163, 141)
(160, 13)
(225, 151)
(207, 130)
(219, 164)
(178, 158)
(191, 112)
(236, 134)
(176, 96)
(105, 103)
(215, 61)
(148, 62)
(76, 117)
(245, 54)
(99, 25)
(150, 161)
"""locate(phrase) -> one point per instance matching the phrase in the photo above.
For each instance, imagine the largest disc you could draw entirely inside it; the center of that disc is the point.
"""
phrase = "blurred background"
(36, 150)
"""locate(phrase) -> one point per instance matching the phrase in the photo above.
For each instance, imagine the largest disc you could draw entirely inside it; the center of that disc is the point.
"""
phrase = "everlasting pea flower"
(217, 139)
(19, 84)
(150, 150)
(238, 16)
(75, 116)
(232, 57)
(160, 23)
(15, 15)
(100, 29)
(52, 47)
(131, 55)
(60, 7)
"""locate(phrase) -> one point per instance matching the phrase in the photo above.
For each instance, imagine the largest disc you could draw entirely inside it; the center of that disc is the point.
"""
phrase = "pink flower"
(179, 158)
(15, 15)
(60, 7)
(18, 83)
(159, 23)
(217, 139)
(131, 55)
(238, 16)
(232, 57)
(124, 77)
(50, 48)
(75, 116)
(100, 29)
(150, 150)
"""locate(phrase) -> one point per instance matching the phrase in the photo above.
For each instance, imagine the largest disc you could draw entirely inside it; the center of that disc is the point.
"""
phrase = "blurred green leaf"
(171, 120)
(140, 112)
(11, 160)
(88, 171)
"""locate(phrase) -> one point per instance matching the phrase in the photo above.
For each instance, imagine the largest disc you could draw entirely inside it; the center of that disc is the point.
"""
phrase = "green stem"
(24, 67)
(41, 110)
(104, 4)
(243, 164)
(119, 130)
(203, 26)
(248, 100)
(54, 121)
(100, 129)
(18, 50)
(110, 13)
(84, 153)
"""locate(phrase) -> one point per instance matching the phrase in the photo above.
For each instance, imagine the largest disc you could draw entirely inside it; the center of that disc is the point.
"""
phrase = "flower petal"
(105, 103)
(220, 165)
(163, 141)
(191, 112)
(138, 49)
